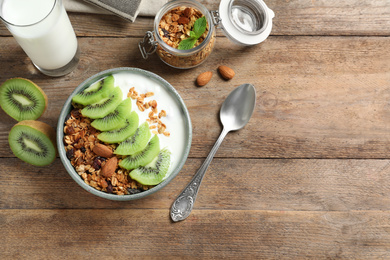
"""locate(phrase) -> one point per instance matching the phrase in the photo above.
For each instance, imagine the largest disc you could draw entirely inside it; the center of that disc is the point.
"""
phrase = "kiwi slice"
(118, 135)
(114, 119)
(104, 106)
(136, 142)
(154, 172)
(143, 157)
(22, 99)
(33, 142)
(95, 92)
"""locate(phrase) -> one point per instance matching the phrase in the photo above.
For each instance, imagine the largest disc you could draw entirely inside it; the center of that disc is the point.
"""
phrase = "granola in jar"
(177, 25)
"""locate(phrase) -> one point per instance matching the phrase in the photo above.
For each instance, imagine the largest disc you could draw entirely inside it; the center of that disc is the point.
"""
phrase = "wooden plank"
(266, 194)
(250, 234)
(230, 184)
(316, 97)
(293, 17)
(333, 17)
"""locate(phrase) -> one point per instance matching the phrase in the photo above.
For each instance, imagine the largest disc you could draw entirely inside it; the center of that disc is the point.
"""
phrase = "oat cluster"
(154, 120)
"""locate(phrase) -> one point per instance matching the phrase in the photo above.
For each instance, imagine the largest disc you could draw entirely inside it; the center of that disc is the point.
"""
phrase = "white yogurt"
(165, 101)
(47, 38)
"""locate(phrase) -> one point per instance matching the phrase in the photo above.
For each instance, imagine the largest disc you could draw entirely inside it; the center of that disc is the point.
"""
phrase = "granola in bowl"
(80, 140)
(96, 163)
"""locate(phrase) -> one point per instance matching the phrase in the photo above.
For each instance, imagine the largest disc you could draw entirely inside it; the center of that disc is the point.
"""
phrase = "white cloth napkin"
(146, 8)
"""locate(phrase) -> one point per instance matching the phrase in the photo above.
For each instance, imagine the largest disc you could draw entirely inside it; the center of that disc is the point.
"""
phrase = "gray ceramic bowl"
(68, 107)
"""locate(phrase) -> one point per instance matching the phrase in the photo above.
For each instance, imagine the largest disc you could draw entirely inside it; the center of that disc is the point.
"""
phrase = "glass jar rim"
(31, 24)
(176, 3)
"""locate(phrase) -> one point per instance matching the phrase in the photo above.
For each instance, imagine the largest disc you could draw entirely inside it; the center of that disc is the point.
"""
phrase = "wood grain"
(249, 234)
(292, 17)
(316, 97)
(307, 178)
(239, 184)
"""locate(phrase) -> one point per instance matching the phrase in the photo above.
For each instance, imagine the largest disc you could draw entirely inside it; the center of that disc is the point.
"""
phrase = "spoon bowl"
(238, 107)
(235, 113)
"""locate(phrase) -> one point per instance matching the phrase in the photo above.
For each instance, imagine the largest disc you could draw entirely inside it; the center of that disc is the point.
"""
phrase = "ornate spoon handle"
(182, 206)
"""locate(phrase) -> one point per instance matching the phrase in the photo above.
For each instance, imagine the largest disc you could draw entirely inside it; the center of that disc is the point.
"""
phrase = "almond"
(102, 150)
(183, 20)
(204, 78)
(226, 72)
(109, 167)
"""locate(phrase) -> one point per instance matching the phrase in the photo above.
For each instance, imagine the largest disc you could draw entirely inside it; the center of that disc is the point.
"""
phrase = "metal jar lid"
(246, 22)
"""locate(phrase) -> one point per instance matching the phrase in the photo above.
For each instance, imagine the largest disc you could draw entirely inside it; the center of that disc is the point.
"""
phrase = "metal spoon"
(235, 113)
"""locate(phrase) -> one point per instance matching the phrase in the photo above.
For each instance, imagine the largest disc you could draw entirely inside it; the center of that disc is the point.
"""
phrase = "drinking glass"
(43, 30)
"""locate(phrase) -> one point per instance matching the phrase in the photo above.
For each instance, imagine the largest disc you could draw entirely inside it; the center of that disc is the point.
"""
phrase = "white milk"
(165, 101)
(49, 40)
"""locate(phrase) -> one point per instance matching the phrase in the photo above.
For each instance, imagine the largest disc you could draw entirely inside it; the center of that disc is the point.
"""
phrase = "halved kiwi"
(95, 92)
(117, 135)
(143, 157)
(33, 142)
(104, 106)
(136, 142)
(114, 119)
(22, 99)
(154, 172)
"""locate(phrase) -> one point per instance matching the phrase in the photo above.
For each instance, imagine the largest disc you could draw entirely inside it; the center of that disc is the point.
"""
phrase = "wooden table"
(308, 177)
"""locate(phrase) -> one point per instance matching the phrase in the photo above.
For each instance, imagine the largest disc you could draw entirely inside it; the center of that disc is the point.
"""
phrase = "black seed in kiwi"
(114, 119)
(33, 142)
(154, 172)
(95, 91)
(143, 157)
(119, 134)
(136, 142)
(104, 106)
(22, 99)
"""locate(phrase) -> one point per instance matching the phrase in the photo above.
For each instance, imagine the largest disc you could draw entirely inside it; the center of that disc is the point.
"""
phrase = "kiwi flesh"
(104, 106)
(143, 157)
(154, 172)
(114, 119)
(95, 92)
(22, 99)
(33, 142)
(119, 134)
(136, 142)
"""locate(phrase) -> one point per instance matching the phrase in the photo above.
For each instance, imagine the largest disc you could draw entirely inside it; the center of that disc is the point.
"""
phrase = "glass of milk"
(43, 30)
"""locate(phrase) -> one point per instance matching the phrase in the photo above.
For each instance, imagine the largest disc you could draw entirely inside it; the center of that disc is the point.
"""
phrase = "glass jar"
(246, 22)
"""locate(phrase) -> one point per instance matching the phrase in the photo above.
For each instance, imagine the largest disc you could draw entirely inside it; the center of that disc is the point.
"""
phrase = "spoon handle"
(182, 206)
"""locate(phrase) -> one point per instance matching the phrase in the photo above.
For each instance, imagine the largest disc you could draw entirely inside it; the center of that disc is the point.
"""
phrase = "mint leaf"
(192, 34)
(200, 26)
(187, 43)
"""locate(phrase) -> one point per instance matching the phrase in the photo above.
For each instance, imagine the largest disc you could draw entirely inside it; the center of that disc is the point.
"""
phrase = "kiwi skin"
(38, 88)
(44, 128)
(88, 97)
(153, 174)
(105, 106)
(142, 157)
